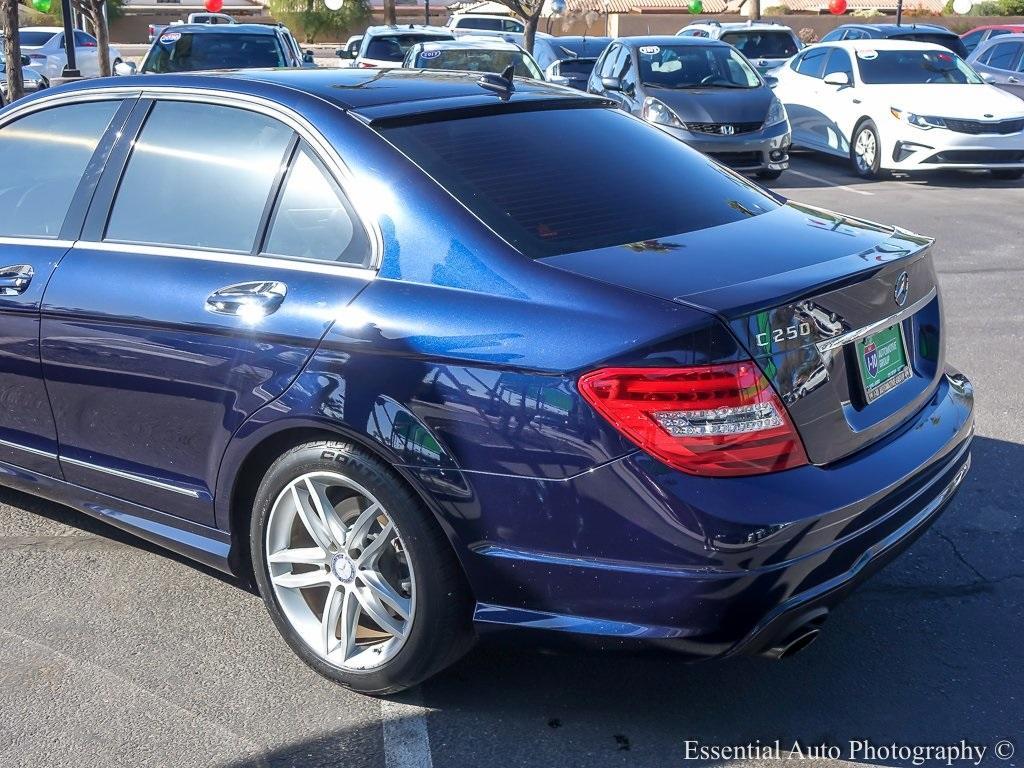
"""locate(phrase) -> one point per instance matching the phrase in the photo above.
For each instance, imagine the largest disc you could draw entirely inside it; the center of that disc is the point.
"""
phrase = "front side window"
(648, 184)
(313, 219)
(194, 52)
(43, 157)
(510, 25)
(762, 44)
(199, 176)
(694, 66)
(914, 68)
(839, 61)
(1003, 55)
(812, 63)
(480, 60)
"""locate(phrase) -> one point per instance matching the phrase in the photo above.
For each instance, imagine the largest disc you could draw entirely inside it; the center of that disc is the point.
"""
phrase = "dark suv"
(921, 33)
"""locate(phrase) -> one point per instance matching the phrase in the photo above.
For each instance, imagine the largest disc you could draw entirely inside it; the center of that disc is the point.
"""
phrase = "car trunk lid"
(812, 296)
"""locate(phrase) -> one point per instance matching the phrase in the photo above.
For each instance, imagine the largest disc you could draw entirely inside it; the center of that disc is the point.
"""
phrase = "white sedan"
(44, 47)
(897, 105)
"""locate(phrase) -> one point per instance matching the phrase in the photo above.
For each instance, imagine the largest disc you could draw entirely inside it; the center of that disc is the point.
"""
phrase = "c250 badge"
(778, 335)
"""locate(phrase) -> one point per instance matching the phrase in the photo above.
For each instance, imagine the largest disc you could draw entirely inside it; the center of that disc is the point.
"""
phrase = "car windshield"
(186, 52)
(914, 68)
(394, 47)
(501, 167)
(762, 44)
(694, 66)
(479, 60)
(33, 39)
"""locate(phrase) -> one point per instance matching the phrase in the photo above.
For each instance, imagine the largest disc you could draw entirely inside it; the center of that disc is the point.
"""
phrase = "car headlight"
(776, 114)
(659, 113)
(918, 121)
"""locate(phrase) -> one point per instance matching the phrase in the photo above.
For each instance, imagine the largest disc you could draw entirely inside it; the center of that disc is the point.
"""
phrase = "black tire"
(1007, 174)
(872, 170)
(769, 175)
(441, 629)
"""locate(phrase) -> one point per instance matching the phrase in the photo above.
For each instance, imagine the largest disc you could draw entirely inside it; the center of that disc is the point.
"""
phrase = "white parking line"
(406, 740)
(829, 183)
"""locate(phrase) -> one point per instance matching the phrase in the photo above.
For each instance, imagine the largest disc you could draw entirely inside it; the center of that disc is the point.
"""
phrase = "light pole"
(899, 12)
(71, 68)
(426, 12)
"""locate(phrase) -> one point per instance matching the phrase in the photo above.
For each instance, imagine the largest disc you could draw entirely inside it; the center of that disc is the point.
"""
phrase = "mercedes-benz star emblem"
(902, 289)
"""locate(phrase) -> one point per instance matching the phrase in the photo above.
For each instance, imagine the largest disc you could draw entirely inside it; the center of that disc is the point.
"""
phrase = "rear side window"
(313, 220)
(43, 156)
(619, 180)
(199, 176)
(184, 52)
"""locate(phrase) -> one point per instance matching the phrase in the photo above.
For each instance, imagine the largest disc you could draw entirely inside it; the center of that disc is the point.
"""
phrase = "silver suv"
(767, 46)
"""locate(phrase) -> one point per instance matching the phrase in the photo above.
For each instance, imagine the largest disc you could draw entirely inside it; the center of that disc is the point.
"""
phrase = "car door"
(999, 62)
(87, 54)
(218, 250)
(50, 159)
(840, 105)
(802, 97)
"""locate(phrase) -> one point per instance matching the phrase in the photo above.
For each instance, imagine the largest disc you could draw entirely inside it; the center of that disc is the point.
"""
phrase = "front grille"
(738, 159)
(979, 127)
(716, 128)
(977, 156)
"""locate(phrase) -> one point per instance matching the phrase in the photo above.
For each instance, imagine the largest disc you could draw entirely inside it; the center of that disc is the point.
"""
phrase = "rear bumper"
(718, 566)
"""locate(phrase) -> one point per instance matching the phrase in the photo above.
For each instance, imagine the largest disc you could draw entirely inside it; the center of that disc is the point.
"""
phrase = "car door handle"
(250, 301)
(15, 279)
(1012, 80)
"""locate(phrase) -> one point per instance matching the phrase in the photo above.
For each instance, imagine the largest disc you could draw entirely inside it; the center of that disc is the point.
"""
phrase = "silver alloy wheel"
(864, 150)
(340, 571)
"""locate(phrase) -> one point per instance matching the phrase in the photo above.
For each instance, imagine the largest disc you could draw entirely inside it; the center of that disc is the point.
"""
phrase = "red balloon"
(215, 6)
(836, 7)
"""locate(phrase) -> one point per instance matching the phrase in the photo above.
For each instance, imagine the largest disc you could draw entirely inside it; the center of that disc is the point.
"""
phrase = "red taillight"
(717, 420)
(364, 65)
(88, 44)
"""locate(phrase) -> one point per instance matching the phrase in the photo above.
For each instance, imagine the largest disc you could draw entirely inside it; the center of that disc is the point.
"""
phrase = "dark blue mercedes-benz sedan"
(423, 353)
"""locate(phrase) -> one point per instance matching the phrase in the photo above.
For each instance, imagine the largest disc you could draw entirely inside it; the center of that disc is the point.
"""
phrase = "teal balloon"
(43, 6)
(696, 6)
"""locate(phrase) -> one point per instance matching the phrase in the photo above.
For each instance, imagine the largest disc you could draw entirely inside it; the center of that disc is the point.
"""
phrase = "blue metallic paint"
(457, 364)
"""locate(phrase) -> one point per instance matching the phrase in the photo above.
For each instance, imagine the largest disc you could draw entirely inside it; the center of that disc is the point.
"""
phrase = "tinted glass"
(510, 25)
(694, 66)
(995, 33)
(576, 68)
(1004, 55)
(34, 38)
(477, 23)
(835, 34)
(971, 41)
(313, 220)
(839, 61)
(178, 52)
(43, 157)
(762, 44)
(812, 63)
(950, 41)
(83, 40)
(647, 184)
(394, 47)
(479, 60)
(914, 68)
(199, 176)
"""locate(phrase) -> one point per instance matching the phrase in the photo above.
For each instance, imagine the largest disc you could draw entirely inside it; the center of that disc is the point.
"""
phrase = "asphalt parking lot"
(115, 653)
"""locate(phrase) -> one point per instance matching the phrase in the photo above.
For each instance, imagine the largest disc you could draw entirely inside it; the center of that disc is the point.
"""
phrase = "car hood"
(970, 102)
(715, 105)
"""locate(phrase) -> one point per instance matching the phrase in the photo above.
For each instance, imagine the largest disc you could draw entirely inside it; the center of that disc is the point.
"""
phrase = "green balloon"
(43, 6)
(696, 6)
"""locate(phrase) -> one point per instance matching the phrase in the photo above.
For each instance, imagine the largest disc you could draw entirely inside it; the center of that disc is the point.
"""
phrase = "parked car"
(193, 18)
(45, 49)
(408, 387)
(203, 47)
(898, 105)
(1001, 61)
(979, 35)
(348, 53)
(920, 33)
(703, 92)
(33, 81)
(476, 23)
(384, 47)
(767, 46)
(568, 60)
(473, 54)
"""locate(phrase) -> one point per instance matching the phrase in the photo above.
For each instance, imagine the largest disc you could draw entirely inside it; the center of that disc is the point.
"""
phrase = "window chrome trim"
(322, 148)
(34, 241)
(231, 257)
(838, 341)
(131, 476)
(27, 449)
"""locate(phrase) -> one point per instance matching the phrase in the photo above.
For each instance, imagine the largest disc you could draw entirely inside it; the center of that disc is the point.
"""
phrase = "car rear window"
(186, 52)
(619, 180)
(32, 39)
(577, 67)
(479, 60)
(394, 47)
(762, 44)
